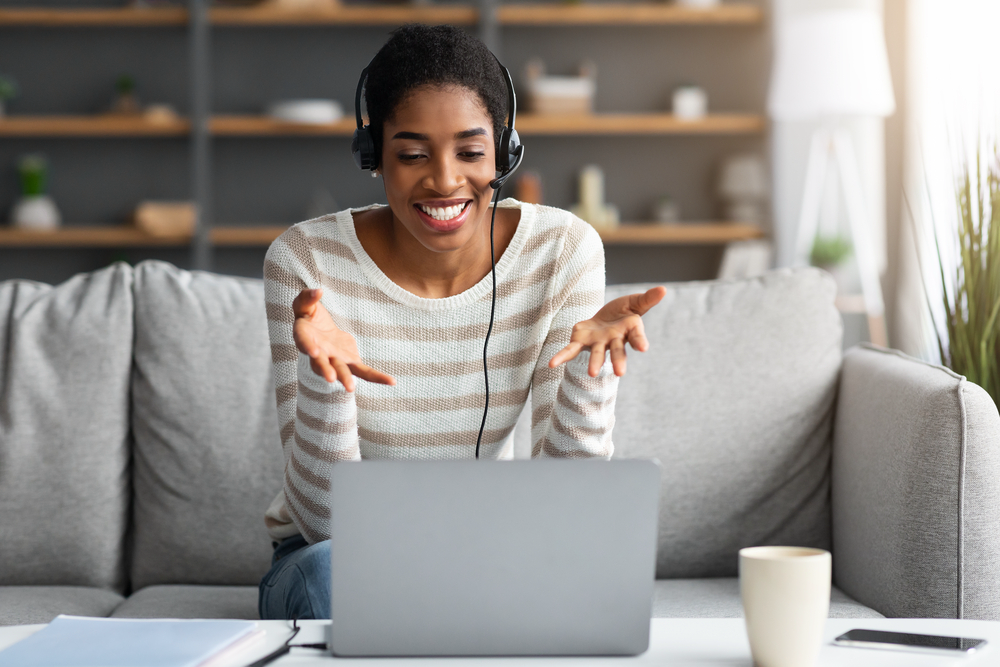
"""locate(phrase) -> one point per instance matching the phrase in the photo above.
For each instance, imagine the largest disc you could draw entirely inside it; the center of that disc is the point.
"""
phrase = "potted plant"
(35, 210)
(830, 253)
(8, 91)
(969, 341)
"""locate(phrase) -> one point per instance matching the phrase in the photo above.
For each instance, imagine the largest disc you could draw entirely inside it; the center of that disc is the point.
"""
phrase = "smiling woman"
(402, 297)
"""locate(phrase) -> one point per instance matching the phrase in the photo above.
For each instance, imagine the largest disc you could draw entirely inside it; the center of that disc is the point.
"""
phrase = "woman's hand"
(617, 323)
(333, 353)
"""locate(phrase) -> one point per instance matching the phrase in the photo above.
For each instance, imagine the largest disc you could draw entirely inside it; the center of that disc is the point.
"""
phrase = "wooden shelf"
(527, 125)
(345, 15)
(94, 17)
(87, 237)
(129, 237)
(627, 14)
(624, 123)
(263, 126)
(642, 13)
(90, 126)
(688, 233)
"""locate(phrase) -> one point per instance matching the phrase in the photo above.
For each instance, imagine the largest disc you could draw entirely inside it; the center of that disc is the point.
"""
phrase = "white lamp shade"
(830, 63)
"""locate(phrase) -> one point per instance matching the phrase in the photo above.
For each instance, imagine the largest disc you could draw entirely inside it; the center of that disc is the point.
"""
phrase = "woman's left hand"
(617, 323)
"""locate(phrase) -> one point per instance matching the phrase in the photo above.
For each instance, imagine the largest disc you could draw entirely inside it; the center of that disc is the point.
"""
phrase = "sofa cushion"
(24, 605)
(65, 355)
(916, 501)
(191, 602)
(720, 598)
(735, 397)
(207, 451)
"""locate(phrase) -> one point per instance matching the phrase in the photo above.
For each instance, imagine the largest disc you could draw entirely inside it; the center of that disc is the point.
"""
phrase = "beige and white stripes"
(550, 277)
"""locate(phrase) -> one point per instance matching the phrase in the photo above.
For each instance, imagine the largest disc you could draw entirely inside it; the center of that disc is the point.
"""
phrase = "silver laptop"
(493, 558)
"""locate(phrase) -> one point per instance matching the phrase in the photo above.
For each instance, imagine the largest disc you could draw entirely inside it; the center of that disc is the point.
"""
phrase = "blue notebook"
(76, 641)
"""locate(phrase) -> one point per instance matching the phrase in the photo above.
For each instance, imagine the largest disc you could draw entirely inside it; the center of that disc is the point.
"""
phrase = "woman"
(400, 296)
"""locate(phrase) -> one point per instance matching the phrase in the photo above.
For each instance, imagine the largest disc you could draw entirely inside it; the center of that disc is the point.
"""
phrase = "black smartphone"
(909, 641)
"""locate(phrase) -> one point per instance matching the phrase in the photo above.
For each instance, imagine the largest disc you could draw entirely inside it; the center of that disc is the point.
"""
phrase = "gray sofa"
(139, 449)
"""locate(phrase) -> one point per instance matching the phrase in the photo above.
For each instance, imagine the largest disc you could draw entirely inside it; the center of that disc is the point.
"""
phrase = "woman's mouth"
(444, 218)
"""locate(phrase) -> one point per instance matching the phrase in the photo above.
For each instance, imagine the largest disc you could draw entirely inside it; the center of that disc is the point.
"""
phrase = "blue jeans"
(298, 583)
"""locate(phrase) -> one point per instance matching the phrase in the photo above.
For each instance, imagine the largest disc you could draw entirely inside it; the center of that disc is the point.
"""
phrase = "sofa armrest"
(915, 489)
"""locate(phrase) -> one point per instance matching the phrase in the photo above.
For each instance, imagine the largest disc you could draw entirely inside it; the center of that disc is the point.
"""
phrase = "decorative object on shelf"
(666, 211)
(831, 253)
(35, 210)
(125, 102)
(592, 206)
(301, 5)
(528, 188)
(690, 102)
(969, 337)
(700, 4)
(830, 65)
(322, 203)
(743, 188)
(162, 114)
(560, 94)
(309, 112)
(745, 259)
(8, 91)
(166, 218)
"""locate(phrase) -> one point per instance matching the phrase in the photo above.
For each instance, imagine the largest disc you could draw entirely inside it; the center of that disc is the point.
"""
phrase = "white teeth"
(446, 213)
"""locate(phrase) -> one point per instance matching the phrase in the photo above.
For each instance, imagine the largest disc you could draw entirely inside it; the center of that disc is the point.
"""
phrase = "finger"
(596, 359)
(321, 366)
(370, 374)
(617, 348)
(643, 302)
(344, 374)
(637, 337)
(305, 341)
(565, 354)
(304, 305)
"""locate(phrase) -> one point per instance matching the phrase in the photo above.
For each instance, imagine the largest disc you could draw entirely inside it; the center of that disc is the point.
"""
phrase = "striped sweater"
(550, 277)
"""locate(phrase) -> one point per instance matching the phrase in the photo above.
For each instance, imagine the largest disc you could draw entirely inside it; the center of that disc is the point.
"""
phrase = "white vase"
(36, 213)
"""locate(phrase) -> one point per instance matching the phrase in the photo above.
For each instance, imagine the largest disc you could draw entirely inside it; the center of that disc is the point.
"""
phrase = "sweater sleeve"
(573, 413)
(318, 419)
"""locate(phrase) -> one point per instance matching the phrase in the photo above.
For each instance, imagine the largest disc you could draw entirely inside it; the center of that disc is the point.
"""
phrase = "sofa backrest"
(65, 354)
(208, 456)
(735, 397)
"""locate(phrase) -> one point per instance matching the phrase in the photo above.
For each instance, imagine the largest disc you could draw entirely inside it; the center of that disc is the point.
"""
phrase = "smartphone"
(910, 642)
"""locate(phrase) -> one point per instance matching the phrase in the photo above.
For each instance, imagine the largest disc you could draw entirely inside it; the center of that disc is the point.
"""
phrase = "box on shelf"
(561, 94)
(166, 218)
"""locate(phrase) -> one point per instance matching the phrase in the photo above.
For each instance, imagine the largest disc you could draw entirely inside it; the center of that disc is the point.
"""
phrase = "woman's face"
(437, 162)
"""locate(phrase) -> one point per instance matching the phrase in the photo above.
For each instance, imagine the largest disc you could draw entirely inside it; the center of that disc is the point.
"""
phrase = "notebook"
(79, 641)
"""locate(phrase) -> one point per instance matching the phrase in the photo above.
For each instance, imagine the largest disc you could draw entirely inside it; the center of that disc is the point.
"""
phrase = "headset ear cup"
(513, 147)
(363, 150)
(503, 151)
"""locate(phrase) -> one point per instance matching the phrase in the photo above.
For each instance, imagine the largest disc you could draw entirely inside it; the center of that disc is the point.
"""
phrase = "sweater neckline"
(345, 221)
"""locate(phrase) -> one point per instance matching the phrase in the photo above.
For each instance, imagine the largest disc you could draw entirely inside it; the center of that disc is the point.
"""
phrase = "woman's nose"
(445, 176)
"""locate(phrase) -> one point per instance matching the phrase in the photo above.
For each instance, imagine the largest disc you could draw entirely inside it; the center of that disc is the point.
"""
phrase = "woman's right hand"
(333, 353)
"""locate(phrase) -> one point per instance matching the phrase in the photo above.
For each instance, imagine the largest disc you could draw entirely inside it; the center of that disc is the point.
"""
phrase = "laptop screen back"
(493, 558)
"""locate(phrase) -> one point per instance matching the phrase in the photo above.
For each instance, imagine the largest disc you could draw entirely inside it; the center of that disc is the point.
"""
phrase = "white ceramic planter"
(37, 213)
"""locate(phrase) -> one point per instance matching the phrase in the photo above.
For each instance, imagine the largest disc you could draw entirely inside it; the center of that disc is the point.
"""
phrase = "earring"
(374, 174)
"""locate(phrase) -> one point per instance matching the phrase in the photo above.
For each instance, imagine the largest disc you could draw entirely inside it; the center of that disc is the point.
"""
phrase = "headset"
(509, 155)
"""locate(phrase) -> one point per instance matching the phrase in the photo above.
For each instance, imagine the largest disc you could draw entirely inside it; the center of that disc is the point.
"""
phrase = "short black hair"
(419, 55)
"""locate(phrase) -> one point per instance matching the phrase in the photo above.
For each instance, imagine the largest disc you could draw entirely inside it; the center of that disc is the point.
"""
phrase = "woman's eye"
(472, 155)
(410, 157)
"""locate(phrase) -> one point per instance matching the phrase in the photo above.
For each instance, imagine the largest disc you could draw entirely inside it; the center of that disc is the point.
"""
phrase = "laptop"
(492, 558)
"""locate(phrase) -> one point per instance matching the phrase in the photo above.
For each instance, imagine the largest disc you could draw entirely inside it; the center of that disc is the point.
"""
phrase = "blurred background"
(702, 138)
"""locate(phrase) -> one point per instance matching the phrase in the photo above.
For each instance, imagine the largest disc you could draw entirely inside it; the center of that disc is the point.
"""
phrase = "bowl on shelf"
(310, 112)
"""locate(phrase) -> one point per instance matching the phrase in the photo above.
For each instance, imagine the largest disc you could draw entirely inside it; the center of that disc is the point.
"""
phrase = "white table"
(678, 642)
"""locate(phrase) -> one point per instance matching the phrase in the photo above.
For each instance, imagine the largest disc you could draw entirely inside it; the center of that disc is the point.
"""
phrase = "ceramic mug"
(786, 600)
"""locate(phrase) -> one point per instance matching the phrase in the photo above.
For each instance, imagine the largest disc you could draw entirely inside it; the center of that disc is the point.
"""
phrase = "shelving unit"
(205, 125)
(262, 126)
(702, 233)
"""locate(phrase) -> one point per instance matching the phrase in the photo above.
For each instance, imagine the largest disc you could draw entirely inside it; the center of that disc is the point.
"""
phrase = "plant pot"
(36, 213)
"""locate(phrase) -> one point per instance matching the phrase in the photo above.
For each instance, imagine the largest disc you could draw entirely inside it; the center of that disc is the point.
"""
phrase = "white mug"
(786, 600)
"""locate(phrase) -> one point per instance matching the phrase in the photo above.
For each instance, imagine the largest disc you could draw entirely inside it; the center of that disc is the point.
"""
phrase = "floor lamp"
(830, 66)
